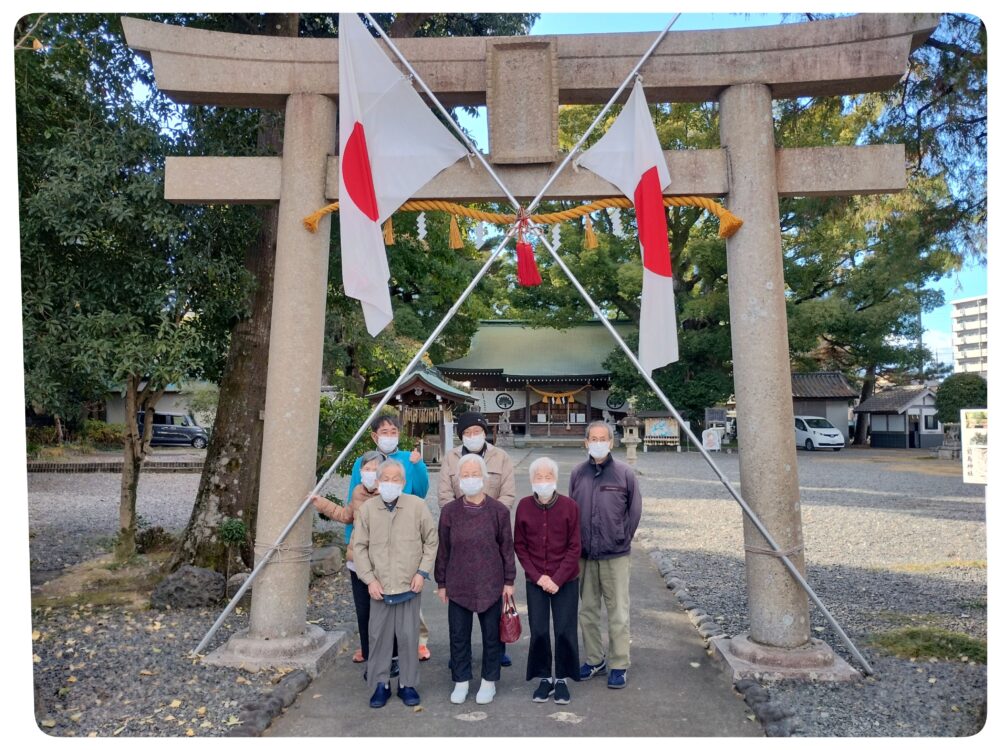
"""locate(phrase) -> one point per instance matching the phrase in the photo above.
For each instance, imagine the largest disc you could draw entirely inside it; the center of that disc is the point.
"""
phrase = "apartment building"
(968, 334)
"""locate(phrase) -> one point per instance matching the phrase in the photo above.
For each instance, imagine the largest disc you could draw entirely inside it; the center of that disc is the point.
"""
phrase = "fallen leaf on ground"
(205, 725)
(175, 703)
(35, 635)
(71, 678)
(695, 664)
(474, 716)
(36, 658)
(146, 673)
(201, 710)
(241, 680)
(189, 732)
(232, 721)
(49, 723)
(75, 717)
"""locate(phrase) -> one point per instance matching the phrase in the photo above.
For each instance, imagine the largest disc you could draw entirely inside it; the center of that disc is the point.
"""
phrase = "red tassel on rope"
(527, 269)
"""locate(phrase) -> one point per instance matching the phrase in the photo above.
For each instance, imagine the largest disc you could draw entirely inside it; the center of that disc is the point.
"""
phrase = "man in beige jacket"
(395, 544)
(498, 483)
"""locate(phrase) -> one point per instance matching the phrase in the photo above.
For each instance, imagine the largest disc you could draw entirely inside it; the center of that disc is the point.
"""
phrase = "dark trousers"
(363, 608)
(563, 607)
(460, 635)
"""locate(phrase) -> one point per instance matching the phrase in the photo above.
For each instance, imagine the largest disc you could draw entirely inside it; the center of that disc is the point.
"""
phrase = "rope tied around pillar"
(284, 553)
(775, 552)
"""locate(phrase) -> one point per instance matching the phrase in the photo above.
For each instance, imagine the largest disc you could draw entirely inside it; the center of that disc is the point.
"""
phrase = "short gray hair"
(472, 457)
(370, 456)
(600, 423)
(389, 462)
(543, 462)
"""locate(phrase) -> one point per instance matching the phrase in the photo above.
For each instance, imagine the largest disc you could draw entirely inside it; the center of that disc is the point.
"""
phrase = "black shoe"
(562, 692)
(544, 690)
(381, 695)
(394, 667)
(505, 660)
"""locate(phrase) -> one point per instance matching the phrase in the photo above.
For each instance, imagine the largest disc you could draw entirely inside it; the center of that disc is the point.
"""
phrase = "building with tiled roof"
(824, 394)
(551, 382)
(903, 417)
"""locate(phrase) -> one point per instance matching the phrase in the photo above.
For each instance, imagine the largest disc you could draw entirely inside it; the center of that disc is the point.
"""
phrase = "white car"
(817, 432)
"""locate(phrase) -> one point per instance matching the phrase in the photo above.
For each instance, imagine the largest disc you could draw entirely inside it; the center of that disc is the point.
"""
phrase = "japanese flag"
(629, 157)
(390, 145)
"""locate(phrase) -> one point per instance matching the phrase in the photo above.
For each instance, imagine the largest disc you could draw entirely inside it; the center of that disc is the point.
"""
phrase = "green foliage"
(931, 642)
(339, 419)
(233, 531)
(102, 434)
(963, 390)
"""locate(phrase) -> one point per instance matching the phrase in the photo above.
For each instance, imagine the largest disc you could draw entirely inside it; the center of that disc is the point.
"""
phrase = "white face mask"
(368, 479)
(387, 444)
(474, 444)
(471, 486)
(545, 490)
(390, 491)
(599, 450)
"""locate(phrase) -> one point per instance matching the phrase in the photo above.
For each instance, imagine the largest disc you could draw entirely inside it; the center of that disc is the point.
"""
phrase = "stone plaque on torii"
(743, 69)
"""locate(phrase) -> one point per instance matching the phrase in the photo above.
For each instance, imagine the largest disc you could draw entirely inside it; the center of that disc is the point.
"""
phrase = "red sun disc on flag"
(357, 171)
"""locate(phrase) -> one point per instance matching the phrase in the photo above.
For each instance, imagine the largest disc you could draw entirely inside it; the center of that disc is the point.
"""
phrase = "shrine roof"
(513, 348)
(895, 400)
(829, 385)
(430, 383)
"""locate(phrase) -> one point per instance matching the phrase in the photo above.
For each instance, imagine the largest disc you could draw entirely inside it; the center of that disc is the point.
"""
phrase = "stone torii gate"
(744, 70)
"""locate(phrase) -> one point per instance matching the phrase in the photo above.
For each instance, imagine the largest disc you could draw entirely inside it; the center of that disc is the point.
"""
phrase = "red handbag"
(510, 621)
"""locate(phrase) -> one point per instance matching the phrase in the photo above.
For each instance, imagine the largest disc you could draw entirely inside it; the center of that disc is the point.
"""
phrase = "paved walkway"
(674, 688)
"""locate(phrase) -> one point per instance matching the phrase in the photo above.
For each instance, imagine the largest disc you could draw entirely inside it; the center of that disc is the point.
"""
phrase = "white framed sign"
(974, 429)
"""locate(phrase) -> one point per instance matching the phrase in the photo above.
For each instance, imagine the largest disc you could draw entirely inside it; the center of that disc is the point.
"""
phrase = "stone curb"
(257, 715)
(110, 467)
(775, 719)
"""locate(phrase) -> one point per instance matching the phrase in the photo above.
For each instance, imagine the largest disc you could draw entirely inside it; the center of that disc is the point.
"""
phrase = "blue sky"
(969, 282)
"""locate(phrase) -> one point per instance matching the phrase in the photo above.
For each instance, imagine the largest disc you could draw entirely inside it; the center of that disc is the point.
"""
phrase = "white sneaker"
(460, 693)
(486, 692)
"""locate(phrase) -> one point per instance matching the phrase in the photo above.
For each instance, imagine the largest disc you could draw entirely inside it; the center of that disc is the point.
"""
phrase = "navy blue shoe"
(589, 670)
(409, 696)
(381, 695)
(617, 678)
(505, 660)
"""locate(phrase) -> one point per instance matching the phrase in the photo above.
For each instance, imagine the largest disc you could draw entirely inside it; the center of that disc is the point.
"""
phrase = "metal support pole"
(357, 436)
(701, 449)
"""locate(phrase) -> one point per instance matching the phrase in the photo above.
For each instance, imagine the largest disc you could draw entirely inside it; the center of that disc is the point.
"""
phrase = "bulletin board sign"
(974, 427)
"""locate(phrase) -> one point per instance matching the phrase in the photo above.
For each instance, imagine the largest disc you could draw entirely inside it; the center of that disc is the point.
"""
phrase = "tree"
(858, 268)
(963, 390)
(230, 478)
(119, 287)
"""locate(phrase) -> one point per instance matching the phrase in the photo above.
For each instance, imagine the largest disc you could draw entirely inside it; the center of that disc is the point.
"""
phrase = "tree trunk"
(861, 418)
(136, 450)
(60, 437)
(231, 477)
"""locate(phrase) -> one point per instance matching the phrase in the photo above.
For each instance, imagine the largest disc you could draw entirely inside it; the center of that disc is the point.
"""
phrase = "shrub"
(102, 434)
(963, 390)
(40, 436)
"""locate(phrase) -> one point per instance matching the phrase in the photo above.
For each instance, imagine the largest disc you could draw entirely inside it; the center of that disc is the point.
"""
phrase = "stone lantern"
(630, 426)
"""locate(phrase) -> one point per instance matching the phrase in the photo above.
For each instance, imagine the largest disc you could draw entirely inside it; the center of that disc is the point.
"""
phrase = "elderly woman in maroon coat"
(547, 543)
(473, 571)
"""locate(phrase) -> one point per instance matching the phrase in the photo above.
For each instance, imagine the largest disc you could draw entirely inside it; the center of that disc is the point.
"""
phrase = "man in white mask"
(498, 482)
(385, 431)
(395, 545)
(610, 507)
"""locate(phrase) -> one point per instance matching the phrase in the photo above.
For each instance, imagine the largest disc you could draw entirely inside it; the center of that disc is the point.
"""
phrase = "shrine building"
(550, 382)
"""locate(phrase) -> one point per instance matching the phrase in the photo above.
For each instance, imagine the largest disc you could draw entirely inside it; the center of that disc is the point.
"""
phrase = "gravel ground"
(890, 541)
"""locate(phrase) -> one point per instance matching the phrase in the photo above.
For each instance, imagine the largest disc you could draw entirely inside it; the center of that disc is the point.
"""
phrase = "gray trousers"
(385, 622)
